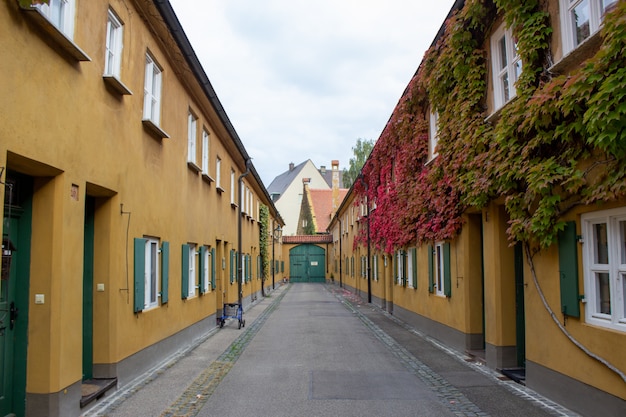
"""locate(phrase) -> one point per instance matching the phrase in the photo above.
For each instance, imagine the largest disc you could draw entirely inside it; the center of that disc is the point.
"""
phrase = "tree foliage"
(560, 143)
(361, 152)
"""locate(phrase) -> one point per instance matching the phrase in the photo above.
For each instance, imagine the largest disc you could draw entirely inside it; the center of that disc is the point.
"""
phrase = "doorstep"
(94, 389)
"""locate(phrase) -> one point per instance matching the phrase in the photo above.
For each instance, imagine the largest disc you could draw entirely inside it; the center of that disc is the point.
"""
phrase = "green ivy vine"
(264, 236)
(560, 143)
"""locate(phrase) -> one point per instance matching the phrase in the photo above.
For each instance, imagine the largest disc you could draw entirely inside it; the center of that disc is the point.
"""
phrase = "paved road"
(317, 350)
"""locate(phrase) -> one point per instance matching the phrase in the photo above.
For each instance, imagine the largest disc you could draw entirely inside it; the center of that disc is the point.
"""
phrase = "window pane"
(505, 86)
(153, 272)
(601, 248)
(502, 48)
(439, 269)
(623, 278)
(603, 291)
(580, 21)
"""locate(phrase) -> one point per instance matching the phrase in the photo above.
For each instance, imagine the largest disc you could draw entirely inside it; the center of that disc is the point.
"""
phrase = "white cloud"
(303, 80)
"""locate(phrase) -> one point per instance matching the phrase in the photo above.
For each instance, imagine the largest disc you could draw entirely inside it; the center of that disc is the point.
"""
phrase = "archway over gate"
(307, 263)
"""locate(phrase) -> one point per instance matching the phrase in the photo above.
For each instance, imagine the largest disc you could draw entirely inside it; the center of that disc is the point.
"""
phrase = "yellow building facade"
(132, 211)
(551, 317)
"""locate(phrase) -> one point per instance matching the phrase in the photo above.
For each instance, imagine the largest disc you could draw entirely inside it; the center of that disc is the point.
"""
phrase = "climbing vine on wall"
(558, 144)
(264, 218)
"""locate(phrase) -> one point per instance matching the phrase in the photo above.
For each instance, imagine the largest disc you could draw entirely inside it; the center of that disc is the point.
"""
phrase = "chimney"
(335, 173)
(291, 166)
(306, 182)
(323, 169)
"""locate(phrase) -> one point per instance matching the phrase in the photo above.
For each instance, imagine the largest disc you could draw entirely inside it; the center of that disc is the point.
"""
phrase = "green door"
(88, 288)
(307, 264)
(14, 282)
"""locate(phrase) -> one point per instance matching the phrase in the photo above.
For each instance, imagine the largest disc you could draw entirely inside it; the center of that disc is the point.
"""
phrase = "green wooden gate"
(307, 264)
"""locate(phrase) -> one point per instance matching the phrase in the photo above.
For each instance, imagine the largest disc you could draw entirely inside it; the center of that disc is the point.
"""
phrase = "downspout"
(239, 260)
(340, 254)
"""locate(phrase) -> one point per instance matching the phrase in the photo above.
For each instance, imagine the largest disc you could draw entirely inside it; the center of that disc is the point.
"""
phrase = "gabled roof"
(281, 182)
(322, 207)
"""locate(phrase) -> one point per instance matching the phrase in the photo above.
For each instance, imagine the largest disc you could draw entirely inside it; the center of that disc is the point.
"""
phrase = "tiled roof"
(281, 182)
(322, 202)
(325, 238)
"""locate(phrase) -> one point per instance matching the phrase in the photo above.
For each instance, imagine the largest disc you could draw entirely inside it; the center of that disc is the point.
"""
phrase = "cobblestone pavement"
(450, 394)
(464, 387)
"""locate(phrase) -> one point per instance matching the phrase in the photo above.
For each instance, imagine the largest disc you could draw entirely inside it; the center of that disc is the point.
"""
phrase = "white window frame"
(61, 13)
(193, 252)
(375, 267)
(409, 268)
(399, 267)
(596, 10)
(206, 270)
(232, 187)
(152, 91)
(113, 45)
(502, 94)
(615, 268)
(205, 152)
(433, 134)
(439, 272)
(218, 172)
(192, 137)
(152, 278)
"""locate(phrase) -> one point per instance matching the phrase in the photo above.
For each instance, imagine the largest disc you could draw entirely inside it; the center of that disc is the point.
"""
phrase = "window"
(152, 91)
(604, 262)
(439, 274)
(582, 18)
(191, 137)
(188, 286)
(232, 187)
(411, 268)
(400, 267)
(205, 270)
(113, 56)
(61, 14)
(507, 66)
(374, 267)
(205, 152)
(433, 135)
(150, 273)
(218, 173)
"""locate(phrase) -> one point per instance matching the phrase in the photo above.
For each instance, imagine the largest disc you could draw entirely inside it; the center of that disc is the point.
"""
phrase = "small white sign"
(313, 263)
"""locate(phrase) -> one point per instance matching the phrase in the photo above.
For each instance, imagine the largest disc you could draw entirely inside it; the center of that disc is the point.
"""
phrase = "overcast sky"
(302, 79)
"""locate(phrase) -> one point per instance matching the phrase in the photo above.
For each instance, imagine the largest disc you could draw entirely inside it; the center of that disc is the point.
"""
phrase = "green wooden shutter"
(201, 277)
(213, 268)
(568, 270)
(414, 266)
(232, 266)
(431, 272)
(139, 274)
(185, 272)
(165, 271)
(447, 274)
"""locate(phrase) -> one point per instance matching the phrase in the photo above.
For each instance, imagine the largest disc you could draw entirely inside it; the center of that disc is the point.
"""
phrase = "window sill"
(576, 56)
(207, 178)
(233, 205)
(193, 167)
(55, 34)
(117, 86)
(154, 130)
(219, 189)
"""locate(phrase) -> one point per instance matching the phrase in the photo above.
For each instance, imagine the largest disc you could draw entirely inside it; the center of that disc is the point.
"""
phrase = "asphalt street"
(319, 350)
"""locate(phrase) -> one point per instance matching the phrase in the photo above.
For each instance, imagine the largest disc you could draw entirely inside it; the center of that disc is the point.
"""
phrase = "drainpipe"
(239, 260)
(340, 255)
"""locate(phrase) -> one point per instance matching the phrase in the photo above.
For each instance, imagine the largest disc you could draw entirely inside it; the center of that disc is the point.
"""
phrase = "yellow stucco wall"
(63, 125)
